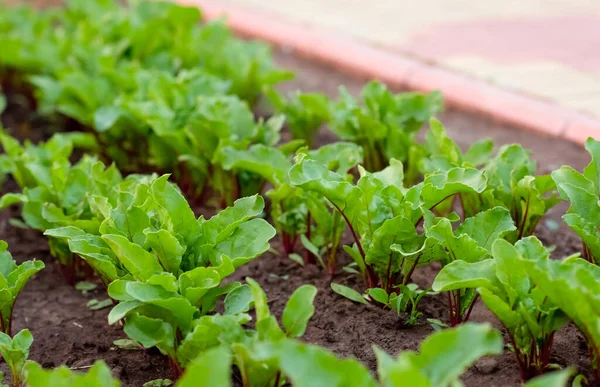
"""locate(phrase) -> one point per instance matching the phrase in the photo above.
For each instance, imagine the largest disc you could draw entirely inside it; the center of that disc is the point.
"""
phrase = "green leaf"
(222, 225)
(349, 293)
(166, 247)
(553, 379)
(445, 355)
(211, 369)
(268, 162)
(97, 376)
(311, 366)
(463, 275)
(298, 311)
(238, 300)
(487, 226)
(140, 263)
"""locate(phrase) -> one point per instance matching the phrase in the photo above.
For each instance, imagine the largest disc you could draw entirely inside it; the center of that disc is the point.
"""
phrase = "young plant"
(165, 267)
(462, 346)
(510, 178)
(15, 352)
(383, 216)
(306, 365)
(470, 243)
(13, 279)
(56, 193)
(304, 113)
(97, 376)
(512, 184)
(530, 318)
(582, 191)
(406, 298)
(295, 212)
(385, 125)
(244, 347)
(442, 153)
(573, 285)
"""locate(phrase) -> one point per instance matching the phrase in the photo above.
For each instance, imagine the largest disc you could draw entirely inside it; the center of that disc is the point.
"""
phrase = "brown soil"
(67, 332)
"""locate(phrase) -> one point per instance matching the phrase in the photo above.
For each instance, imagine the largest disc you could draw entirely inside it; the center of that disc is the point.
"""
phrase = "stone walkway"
(546, 48)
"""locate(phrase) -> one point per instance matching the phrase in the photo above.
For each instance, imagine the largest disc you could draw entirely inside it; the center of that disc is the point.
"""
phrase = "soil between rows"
(67, 332)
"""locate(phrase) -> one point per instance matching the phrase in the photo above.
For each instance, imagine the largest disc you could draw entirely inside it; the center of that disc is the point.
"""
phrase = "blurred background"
(546, 48)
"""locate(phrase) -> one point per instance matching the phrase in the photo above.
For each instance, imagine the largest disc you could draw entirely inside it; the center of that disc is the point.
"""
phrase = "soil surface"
(67, 332)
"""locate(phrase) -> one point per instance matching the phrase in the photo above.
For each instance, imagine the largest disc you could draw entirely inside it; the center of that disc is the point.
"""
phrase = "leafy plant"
(304, 365)
(97, 376)
(573, 286)
(469, 244)
(56, 193)
(383, 216)
(13, 279)
(512, 184)
(582, 190)
(164, 266)
(296, 212)
(15, 352)
(507, 290)
(304, 113)
(511, 180)
(385, 125)
(406, 298)
(442, 153)
(243, 347)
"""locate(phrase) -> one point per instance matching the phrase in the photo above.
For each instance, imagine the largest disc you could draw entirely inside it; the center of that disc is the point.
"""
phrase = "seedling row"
(163, 106)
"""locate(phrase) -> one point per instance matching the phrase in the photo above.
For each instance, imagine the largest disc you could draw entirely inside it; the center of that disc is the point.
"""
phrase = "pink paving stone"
(580, 129)
(359, 58)
(572, 40)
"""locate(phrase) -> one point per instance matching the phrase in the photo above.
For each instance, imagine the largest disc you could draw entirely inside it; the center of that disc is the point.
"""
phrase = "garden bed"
(67, 332)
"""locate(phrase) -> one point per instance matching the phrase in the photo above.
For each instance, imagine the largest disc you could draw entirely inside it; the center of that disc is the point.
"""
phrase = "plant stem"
(523, 221)
(309, 258)
(468, 314)
(370, 274)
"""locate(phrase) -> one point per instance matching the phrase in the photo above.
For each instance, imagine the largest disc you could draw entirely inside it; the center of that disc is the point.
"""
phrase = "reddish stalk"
(522, 225)
(309, 257)
(468, 314)
(371, 277)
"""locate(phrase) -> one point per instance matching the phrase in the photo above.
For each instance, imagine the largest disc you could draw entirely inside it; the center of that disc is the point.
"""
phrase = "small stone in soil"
(487, 365)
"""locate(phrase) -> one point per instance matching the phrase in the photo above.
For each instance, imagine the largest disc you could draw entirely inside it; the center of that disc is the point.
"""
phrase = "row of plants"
(268, 355)
(161, 92)
(155, 91)
(164, 268)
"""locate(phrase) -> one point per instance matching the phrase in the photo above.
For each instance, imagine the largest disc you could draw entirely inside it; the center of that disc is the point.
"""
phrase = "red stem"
(371, 277)
(309, 258)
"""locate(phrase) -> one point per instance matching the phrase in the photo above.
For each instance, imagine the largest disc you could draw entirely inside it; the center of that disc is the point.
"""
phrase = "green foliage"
(13, 279)
(383, 216)
(296, 212)
(512, 184)
(97, 376)
(442, 358)
(572, 285)
(15, 352)
(161, 90)
(164, 266)
(56, 193)
(241, 347)
(582, 191)
(385, 125)
(304, 113)
(507, 290)
(443, 153)
(511, 180)
(470, 244)
(302, 365)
